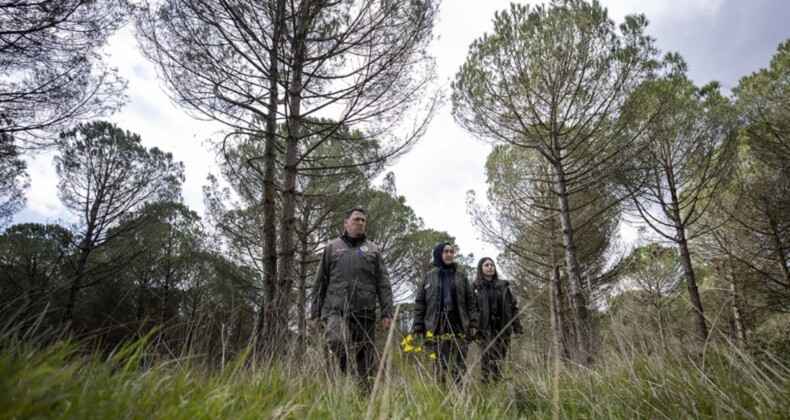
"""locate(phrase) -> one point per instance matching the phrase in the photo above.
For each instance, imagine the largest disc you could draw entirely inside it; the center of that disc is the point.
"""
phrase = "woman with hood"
(498, 317)
(445, 308)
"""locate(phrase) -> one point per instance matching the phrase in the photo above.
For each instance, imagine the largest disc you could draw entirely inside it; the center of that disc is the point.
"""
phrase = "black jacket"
(508, 308)
(350, 280)
(428, 302)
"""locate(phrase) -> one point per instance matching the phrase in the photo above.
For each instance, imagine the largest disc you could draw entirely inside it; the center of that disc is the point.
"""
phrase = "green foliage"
(33, 270)
(763, 100)
(105, 173)
(772, 338)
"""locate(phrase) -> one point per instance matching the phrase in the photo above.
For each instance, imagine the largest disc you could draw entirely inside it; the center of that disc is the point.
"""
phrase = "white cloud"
(42, 197)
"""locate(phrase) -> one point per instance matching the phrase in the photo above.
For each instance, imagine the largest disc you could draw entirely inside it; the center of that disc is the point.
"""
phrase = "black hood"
(437, 255)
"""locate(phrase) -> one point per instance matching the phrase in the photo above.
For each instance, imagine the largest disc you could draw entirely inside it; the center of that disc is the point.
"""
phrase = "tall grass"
(67, 379)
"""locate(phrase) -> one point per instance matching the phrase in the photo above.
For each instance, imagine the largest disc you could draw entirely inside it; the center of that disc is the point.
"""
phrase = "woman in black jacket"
(498, 317)
(445, 307)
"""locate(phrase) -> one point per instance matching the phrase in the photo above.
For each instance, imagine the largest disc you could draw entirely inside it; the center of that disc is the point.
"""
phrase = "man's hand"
(317, 323)
(472, 332)
(386, 323)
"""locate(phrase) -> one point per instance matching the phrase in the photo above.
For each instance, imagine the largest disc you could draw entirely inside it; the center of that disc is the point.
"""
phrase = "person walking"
(350, 279)
(499, 317)
(445, 308)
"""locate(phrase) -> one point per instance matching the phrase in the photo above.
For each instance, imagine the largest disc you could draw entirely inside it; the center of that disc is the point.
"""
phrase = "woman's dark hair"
(479, 277)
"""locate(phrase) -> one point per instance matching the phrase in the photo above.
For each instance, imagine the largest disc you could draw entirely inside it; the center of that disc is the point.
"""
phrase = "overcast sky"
(721, 40)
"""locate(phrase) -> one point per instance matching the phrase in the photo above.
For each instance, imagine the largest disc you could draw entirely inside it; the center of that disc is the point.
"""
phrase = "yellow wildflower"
(418, 349)
(428, 334)
(406, 340)
(433, 356)
(408, 347)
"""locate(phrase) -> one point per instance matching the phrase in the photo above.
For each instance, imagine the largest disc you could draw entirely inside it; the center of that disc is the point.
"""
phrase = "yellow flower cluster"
(409, 346)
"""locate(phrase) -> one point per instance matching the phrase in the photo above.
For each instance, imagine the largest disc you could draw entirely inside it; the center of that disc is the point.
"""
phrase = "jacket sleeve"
(384, 288)
(517, 328)
(471, 305)
(419, 308)
(320, 286)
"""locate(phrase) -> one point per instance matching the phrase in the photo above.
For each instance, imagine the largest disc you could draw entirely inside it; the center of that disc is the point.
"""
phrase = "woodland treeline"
(591, 126)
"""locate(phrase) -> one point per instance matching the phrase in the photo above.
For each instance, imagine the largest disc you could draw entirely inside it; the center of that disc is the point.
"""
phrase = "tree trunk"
(659, 305)
(301, 344)
(268, 229)
(558, 332)
(76, 282)
(735, 303)
(142, 294)
(287, 218)
(779, 254)
(579, 306)
(685, 260)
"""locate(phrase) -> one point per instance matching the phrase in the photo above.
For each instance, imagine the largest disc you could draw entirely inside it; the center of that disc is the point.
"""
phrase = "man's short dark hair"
(349, 212)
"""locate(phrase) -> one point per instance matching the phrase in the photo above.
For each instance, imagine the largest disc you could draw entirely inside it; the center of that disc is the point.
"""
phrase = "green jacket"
(426, 306)
(349, 280)
(507, 305)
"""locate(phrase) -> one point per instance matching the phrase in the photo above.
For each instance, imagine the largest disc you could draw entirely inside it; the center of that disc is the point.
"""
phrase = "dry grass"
(67, 380)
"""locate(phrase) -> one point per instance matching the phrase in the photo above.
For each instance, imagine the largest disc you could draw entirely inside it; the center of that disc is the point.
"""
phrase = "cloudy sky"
(721, 40)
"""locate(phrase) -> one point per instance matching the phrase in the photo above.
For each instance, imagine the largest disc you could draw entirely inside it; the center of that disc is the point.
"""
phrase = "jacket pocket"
(365, 296)
(336, 295)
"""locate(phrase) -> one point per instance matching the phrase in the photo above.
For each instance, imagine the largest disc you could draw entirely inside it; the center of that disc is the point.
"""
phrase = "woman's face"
(447, 255)
(489, 269)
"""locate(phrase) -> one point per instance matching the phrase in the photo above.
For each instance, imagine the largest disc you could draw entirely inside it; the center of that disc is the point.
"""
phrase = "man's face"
(355, 224)
(447, 254)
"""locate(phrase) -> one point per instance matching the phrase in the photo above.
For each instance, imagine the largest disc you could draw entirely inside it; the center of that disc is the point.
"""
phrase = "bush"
(772, 338)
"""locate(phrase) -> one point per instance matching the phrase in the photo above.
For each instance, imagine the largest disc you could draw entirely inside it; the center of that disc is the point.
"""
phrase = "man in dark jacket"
(350, 279)
(446, 307)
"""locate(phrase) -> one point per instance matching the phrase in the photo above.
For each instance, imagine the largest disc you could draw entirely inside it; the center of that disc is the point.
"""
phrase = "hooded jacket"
(350, 279)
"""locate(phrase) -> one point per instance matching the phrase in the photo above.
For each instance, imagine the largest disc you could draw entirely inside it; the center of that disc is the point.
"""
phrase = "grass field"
(66, 379)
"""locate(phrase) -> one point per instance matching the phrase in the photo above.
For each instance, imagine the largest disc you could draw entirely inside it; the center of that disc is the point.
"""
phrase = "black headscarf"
(437, 255)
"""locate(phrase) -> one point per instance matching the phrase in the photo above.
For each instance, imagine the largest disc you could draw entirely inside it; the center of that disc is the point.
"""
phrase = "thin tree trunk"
(267, 312)
(85, 249)
(779, 254)
(301, 345)
(579, 306)
(287, 219)
(735, 303)
(660, 319)
(142, 294)
(685, 261)
(558, 332)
